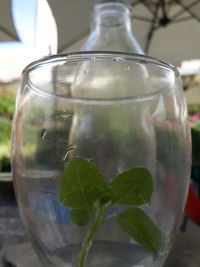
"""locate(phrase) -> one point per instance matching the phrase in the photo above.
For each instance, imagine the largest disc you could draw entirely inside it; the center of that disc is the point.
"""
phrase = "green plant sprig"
(83, 189)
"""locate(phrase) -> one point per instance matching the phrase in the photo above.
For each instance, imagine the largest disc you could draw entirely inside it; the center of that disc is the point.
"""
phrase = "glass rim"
(120, 57)
(117, 56)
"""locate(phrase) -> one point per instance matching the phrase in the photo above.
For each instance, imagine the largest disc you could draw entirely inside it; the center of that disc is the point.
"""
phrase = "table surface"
(14, 241)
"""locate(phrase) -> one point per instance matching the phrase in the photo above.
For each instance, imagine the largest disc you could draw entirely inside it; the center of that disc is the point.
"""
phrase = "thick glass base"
(104, 254)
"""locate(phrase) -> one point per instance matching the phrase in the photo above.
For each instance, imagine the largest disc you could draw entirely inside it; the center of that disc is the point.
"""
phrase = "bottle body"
(111, 31)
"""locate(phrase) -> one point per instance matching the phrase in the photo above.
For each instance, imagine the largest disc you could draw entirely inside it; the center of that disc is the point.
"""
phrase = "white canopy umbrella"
(7, 29)
(172, 39)
(27, 32)
(174, 34)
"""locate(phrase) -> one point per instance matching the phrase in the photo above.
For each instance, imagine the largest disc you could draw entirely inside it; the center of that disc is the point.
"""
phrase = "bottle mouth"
(111, 13)
(118, 7)
(110, 6)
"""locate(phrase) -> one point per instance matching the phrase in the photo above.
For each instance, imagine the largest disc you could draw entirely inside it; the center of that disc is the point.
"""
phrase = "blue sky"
(24, 15)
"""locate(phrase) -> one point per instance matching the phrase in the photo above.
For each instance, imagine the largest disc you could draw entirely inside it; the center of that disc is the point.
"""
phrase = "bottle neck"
(111, 16)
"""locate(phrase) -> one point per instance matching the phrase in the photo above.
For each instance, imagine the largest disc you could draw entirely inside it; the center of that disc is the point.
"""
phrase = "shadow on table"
(186, 248)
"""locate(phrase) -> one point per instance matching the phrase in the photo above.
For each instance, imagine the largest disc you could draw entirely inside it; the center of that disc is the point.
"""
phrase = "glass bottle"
(111, 29)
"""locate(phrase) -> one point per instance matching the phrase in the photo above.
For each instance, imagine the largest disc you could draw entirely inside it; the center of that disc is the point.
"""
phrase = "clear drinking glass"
(118, 111)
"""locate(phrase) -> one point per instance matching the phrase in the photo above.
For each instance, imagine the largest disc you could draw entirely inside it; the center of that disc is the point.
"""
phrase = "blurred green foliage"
(193, 108)
(7, 103)
(5, 130)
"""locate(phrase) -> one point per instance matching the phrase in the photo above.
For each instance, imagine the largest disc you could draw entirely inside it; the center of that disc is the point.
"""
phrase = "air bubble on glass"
(66, 155)
(49, 192)
(89, 159)
(127, 68)
(93, 59)
(43, 133)
(85, 71)
(70, 147)
(63, 115)
(27, 117)
(118, 59)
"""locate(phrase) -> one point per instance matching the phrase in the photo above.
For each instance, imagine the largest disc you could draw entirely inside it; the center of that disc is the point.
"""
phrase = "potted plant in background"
(193, 203)
(194, 119)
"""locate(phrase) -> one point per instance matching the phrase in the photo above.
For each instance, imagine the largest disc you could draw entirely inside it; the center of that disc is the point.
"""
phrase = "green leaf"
(81, 184)
(80, 216)
(141, 228)
(132, 187)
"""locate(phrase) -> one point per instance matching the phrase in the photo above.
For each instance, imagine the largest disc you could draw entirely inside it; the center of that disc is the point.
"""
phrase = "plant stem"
(87, 242)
